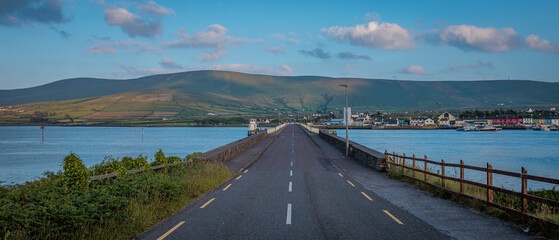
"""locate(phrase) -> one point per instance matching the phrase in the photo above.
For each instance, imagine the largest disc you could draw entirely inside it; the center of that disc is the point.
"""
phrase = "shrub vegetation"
(66, 205)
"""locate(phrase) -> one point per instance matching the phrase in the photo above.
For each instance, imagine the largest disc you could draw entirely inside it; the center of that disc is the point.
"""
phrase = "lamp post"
(346, 122)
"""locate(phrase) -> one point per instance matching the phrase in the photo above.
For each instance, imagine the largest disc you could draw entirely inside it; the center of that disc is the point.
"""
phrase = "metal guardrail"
(139, 170)
(404, 162)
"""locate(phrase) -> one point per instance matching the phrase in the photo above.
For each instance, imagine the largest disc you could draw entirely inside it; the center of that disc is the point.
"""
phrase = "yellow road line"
(227, 187)
(367, 196)
(392, 216)
(170, 231)
(239, 177)
(245, 171)
(340, 175)
(350, 183)
(206, 204)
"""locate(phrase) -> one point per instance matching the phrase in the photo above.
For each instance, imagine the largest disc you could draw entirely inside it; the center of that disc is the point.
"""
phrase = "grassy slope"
(230, 94)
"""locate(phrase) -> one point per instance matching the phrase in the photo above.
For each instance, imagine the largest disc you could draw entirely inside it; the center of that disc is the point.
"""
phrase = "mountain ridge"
(195, 93)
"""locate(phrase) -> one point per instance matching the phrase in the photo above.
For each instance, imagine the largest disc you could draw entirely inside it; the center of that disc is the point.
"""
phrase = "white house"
(527, 120)
(421, 121)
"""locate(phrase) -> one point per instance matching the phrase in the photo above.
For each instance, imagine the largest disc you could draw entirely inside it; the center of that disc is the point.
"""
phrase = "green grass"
(540, 210)
(119, 208)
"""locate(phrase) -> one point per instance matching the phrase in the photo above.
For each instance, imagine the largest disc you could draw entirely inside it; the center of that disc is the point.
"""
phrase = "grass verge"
(535, 208)
(119, 208)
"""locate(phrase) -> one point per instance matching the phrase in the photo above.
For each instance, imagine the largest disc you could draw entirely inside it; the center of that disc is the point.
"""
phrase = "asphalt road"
(293, 192)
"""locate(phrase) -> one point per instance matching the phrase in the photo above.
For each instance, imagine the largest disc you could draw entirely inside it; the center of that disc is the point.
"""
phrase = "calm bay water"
(509, 150)
(24, 156)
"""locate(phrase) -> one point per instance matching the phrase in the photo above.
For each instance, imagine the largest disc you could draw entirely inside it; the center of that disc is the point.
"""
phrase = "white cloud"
(278, 36)
(168, 63)
(213, 38)
(293, 41)
(287, 70)
(101, 49)
(413, 69)
(131, 23)
(211, 56)
(275, 50)
(153, 8)
(467, 38)
(534, 42)
(374, 35)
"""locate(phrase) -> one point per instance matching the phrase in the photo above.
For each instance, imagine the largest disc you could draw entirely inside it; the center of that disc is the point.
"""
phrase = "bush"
(160, 158)
(117, 208)
(75, 173)
(174, 159)
(108, 165)
(135, 163)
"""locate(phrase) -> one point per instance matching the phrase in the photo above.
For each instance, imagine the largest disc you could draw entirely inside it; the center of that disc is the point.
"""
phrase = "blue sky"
(48, 40)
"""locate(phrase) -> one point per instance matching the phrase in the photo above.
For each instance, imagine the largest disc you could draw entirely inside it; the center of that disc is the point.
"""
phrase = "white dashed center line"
(288, 220)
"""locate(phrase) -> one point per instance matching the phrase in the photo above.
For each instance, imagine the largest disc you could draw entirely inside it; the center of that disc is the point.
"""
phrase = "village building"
(421, 121)
(447, 119)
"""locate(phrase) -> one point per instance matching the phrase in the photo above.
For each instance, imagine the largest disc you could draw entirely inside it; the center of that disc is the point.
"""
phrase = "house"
(263, 121)
(421, 121)
(390, 122)
(401, 121)
(527, 120)
(508, 120)
(378, 122)
(555, 121)
(446, 119)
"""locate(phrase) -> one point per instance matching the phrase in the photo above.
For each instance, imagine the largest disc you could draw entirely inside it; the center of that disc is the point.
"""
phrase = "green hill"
(228, 94)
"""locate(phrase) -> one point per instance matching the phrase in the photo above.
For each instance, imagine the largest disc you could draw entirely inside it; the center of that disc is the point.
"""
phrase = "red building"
(508, 120)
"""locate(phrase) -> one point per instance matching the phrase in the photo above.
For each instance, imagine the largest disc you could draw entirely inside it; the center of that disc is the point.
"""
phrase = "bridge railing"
(310, 129)
(276, 128)
(408, 166)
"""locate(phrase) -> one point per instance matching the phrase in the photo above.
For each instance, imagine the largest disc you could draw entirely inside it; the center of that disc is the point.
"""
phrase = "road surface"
(293, 192)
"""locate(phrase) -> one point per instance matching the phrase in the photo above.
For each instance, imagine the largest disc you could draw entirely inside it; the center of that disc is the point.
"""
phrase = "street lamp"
(346, 122)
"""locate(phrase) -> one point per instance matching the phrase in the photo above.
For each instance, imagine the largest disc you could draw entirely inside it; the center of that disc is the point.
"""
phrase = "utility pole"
(346, 122)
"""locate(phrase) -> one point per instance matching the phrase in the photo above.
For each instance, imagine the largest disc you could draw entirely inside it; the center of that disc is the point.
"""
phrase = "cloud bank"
(388, 36)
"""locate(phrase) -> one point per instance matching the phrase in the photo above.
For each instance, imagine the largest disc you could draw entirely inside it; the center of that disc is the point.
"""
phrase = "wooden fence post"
(425, 169)
(524, 191)
(461, 177)
(404, 164)
(489, 183)
(387, 159)
(413, 166)
(443, 173)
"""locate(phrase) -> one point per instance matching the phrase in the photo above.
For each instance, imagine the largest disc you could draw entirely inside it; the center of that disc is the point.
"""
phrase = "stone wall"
(367, 156)
(228, 151)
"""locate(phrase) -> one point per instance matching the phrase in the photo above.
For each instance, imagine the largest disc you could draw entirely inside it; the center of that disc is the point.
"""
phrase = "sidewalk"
(448, 217)
(248, 157)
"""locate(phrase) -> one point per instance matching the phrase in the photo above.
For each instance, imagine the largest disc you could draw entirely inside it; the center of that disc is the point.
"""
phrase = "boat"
(467, 128)
(489, 128)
